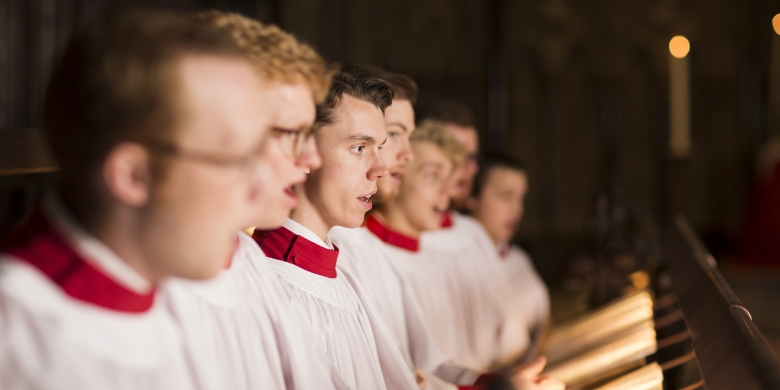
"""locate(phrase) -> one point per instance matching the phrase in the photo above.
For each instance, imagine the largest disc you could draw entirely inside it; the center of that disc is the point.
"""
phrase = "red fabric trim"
(391, 237)
(282, 244)
(483, 381)
(40, 245)
(446, 221)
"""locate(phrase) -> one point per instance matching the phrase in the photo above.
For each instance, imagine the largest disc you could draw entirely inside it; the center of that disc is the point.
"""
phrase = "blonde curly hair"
(276, 54)
(434, 132)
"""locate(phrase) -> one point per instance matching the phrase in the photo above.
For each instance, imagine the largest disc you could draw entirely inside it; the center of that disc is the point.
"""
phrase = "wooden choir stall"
(696, 335)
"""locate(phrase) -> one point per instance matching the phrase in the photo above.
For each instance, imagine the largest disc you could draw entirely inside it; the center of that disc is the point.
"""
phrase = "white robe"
(369, 260)
(54, 338)
(352, 334)
(529, 287)
(243, 330)
(489, 332)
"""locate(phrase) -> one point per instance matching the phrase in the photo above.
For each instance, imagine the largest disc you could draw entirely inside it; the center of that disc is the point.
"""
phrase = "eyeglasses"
(245, 163)
(293, 141)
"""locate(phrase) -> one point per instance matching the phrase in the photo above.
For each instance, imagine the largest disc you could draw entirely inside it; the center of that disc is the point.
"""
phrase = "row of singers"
(176, 132)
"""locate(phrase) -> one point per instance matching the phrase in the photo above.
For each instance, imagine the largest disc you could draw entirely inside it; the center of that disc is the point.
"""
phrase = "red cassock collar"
(40, 245)
(446, 221)
(391, 237)
(282, 244)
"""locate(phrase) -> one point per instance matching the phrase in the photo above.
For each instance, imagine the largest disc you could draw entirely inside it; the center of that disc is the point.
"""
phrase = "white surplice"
(242, 329)
(489, 331)
(532, 293)
(351, 333)
(369, 260)
(75, 316)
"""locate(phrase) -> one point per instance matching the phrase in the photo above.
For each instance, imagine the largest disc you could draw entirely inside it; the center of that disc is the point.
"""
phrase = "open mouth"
(366, 200)
(290, 192)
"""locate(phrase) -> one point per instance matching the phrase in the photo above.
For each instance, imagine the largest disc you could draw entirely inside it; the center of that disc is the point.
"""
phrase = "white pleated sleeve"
(492, 326)
(369, 260)
(49, 340)
(534, 298)
(334, 309)
(243, 332)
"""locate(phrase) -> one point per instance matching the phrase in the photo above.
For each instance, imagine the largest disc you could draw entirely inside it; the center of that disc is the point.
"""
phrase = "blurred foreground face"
(425, 190)
(500, 206)
(399, 123)
(288, 154)
(341, 189)
(211, 182)
(464, 176)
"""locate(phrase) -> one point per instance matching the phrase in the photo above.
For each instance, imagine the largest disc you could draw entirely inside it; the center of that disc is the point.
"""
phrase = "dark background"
(576, 89)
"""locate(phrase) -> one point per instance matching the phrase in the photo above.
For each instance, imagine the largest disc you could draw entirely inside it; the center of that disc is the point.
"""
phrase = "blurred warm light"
(776, 24)
(679, 46)
(640, 280)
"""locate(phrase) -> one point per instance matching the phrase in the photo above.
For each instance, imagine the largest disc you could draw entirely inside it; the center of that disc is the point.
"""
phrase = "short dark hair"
(490, 163)
(447, 111)
(117, 81)
(358, 82)
(404, 86)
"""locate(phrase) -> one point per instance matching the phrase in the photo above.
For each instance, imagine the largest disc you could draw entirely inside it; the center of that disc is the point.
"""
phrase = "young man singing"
(364, 255)
(458, 121)
(155, 122)
(497, 203)
(386, 258)
(241, 326)
(349, 132)
(494, 324)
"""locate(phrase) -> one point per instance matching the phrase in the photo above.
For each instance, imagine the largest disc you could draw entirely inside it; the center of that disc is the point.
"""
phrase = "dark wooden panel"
(731, 351)
(24, 151)
(586, 83)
